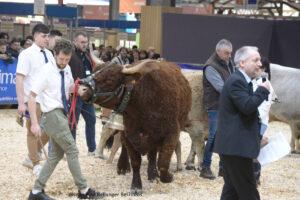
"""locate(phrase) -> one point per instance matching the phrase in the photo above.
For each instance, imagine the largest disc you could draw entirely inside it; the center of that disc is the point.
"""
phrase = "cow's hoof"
(179, 168)
(188, 167)
(123, 171)
(136, 192)
(152, 175)
(166, 177)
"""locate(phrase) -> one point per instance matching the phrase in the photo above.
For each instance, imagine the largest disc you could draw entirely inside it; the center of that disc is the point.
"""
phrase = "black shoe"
(39, 196)
(90, 194)
(207, 173)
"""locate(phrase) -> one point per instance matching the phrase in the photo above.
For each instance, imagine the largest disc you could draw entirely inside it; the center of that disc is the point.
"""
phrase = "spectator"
(14, 48)
(143, 55)
(4, 36)
(3, 52)
(217, 69)
(151, 52)
(122, 58)
(81, 67)
(53, 36)
(25, 44)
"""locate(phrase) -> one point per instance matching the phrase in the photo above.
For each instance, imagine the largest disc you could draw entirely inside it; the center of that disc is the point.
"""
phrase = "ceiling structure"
(288, 8)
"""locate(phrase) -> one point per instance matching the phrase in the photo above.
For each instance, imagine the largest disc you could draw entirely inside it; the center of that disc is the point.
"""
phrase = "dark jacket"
(238, 123)
(211, 95)
(77, 65)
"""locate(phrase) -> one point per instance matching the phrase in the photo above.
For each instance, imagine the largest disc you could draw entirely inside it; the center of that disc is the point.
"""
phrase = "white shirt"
(264, 107)
(248, 79)
(48, 86)
(29, 61)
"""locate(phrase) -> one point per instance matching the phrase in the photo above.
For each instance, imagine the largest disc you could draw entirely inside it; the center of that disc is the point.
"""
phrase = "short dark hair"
(13, 40)
(4, 35)
(40, 28)
(55, 32)
(64, 46)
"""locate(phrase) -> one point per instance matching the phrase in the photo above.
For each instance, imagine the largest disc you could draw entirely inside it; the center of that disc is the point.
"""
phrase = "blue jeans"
(212, 121)
(89, 116)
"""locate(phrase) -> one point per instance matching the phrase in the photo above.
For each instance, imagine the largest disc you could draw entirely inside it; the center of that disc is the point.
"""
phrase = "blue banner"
(8, 82)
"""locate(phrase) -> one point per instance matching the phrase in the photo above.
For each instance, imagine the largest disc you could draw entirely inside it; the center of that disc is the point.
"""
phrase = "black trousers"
(239, 179)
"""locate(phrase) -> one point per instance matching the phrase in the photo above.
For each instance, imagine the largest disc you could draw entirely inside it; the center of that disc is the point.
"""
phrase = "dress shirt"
(30, 60)
(48, 86)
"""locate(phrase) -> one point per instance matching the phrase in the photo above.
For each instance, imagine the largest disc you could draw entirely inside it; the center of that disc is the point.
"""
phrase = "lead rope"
(72, 115)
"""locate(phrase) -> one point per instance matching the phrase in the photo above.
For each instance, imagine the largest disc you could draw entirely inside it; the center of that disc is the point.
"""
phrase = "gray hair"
(223, 44)
(64, 46)
(243, 53)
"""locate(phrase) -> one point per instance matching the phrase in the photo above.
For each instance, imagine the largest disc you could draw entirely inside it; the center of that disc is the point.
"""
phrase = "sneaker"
(39, 196)
(37, 170)
(207, 173)
(90, 194)
(27, 162)
(91, 153)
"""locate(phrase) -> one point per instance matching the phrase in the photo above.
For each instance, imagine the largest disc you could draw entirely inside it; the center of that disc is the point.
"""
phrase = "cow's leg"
(199, 148)
(295, 143)
(191, 158)
(152, 168)
(123, 165)
(178, 156)
(105, 134)
(135, 160)
(165, 155)
(116, 145)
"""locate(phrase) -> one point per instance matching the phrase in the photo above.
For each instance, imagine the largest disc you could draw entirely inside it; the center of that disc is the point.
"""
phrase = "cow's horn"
(139, 68)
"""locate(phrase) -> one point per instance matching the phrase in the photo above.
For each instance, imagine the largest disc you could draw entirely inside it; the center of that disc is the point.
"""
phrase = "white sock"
(84, 191)
(34, 191)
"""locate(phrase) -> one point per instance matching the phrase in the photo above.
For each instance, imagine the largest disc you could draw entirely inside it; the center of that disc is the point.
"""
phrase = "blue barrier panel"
(8, 82)
(190, 66)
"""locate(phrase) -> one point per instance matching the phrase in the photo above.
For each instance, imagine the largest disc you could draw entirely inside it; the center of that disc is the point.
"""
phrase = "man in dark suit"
(238, 139)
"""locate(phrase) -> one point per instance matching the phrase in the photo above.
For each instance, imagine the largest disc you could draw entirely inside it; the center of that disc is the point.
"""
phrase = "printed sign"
(8, 82)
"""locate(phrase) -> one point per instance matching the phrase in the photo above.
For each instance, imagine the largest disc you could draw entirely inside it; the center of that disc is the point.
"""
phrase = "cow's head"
(107, 85)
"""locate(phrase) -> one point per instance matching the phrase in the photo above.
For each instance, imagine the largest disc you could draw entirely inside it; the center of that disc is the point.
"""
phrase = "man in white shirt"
(53, 86)
(30, 60)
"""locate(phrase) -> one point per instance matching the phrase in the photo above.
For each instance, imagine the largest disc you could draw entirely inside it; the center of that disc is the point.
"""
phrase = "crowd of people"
(237, 98)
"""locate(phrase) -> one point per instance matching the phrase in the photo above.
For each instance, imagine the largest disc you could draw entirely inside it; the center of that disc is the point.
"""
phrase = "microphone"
(264, 80)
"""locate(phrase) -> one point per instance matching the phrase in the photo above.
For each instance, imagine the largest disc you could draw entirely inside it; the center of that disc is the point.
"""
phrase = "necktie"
(63, 92)
(44, 53)
(251, 87)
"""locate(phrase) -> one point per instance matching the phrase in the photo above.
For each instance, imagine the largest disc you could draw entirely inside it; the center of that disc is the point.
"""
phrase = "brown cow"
(197, 127)
(155, 99)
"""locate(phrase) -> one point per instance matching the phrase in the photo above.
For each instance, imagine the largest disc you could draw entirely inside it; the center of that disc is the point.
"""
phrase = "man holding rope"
(54, 86)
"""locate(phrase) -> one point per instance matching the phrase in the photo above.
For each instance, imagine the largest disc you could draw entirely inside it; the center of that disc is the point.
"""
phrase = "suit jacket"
(238, 122)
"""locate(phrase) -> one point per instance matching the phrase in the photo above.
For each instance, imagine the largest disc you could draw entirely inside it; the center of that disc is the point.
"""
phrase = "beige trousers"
(33, 144)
